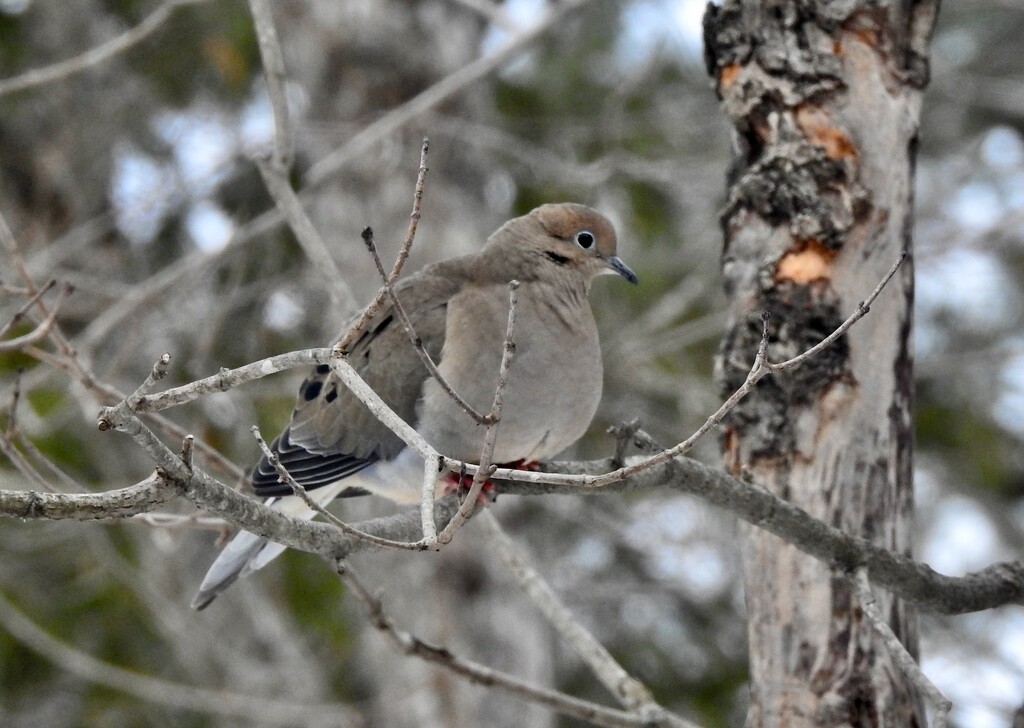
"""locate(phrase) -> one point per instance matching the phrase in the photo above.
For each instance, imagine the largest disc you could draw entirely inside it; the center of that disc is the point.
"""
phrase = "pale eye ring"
(585, 239)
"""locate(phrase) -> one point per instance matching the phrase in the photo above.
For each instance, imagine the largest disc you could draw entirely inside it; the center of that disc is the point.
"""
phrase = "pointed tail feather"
(228, 566)
(247, 552)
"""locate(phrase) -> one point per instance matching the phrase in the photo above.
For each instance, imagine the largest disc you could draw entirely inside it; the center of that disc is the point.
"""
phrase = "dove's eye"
(585, 239)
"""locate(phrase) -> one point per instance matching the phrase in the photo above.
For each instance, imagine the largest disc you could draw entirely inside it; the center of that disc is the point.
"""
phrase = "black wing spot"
(383, 324)
(310, 389)
(323, 368)
(332, 394)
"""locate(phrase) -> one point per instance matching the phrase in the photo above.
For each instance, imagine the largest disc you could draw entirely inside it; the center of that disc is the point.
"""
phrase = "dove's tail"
(247, 552)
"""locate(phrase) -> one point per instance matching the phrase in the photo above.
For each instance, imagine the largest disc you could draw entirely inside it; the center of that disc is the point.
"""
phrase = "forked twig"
(158, 372)
(44, 328)
(414, 338)
(356, 330)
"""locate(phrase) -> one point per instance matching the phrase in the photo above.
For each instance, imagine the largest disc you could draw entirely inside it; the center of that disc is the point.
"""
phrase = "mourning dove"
(334, 446)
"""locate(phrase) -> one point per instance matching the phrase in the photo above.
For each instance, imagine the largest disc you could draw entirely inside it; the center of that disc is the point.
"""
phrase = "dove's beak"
(616, 265)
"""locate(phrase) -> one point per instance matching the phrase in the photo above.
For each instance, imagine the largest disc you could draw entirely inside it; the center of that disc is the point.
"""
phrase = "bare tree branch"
(106, 506)
(995, 586)
(414, 338)
(357, 329)
(409, 644)
(273, 64)
(94, 56)
(306, 234)
(628, 690)
(450, 85)
(903, 659)
(227, 379)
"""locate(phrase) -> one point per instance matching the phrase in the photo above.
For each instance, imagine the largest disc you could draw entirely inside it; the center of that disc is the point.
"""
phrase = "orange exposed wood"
(868, 35)
(808, 262)
(728, 75)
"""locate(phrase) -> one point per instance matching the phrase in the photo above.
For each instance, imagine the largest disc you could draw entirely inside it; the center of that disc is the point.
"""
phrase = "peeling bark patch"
(801, 188)
(811, 262)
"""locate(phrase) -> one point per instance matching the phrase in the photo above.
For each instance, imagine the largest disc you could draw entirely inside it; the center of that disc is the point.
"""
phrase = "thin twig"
(306, 234)
(903, 659)
(434, 95)
(414, 338)
(485, 468)
(94, 56)
(862, 309)
(758, 370)
(409, 644)
(10, 243)
(187, 446)
(45, 326)
(629, 691)
(33, 296)
(273, 64)
(23, 453)
(12, 418)
(24, 465)
(356, 330)
(297, 488)
(227, 379)
(158, 372)
(67, 483)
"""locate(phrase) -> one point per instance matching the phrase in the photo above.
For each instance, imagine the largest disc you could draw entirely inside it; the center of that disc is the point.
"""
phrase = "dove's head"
(556, 239)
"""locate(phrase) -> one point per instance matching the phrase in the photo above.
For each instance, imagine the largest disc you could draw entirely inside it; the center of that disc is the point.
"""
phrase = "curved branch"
(916, 582)
(94, 56)
(106, 506)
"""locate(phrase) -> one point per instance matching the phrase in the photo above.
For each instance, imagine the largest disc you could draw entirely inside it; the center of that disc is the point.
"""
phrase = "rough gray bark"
(824, 98)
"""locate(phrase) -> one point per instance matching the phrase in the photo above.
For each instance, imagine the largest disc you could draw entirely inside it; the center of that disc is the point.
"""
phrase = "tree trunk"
(824, 98)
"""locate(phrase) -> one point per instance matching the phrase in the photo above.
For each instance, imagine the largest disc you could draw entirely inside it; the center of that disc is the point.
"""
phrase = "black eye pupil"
(584, 239)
